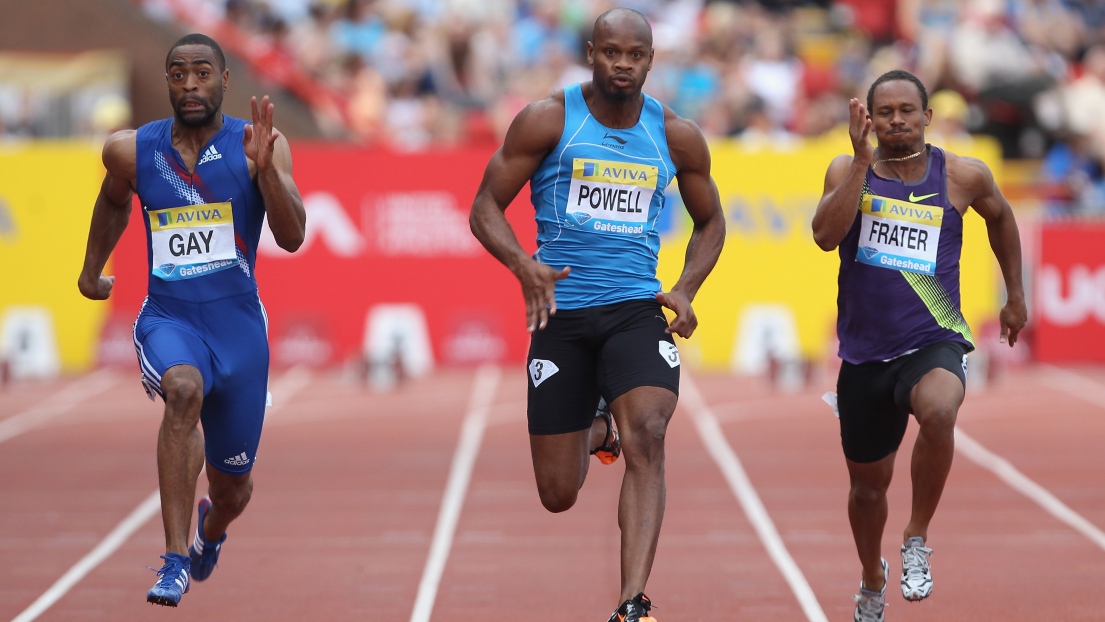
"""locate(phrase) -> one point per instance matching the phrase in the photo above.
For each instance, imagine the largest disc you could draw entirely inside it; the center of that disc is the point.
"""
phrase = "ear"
(590, 53)
(226, 79)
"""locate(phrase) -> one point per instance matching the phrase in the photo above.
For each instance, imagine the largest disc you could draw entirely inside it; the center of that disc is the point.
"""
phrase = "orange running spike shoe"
(634, 610)
(611, 447)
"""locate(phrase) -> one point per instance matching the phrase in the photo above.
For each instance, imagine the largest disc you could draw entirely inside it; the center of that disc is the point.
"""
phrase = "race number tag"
(192, 241)
(611, 197)
(899, 235)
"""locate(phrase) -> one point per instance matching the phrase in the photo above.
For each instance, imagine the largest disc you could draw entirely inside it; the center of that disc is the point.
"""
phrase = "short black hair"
(897, 74)
(198, 39)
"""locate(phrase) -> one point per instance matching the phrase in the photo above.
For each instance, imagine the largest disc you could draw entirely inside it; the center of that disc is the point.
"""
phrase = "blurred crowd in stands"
(415, 74)
(418, 74)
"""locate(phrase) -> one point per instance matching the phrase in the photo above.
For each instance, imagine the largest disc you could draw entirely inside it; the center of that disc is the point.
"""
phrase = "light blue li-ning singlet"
(597, 198)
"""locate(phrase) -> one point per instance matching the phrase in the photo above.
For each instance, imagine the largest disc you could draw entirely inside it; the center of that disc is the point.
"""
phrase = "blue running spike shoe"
(204, 553)
(172, 581)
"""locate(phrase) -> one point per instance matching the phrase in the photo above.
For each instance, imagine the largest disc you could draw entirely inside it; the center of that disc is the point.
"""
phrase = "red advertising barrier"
(1070, 292)
(388, 265)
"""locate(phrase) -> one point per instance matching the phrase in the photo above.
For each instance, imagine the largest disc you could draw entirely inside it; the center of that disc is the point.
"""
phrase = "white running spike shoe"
(869, 603)
(916, 576)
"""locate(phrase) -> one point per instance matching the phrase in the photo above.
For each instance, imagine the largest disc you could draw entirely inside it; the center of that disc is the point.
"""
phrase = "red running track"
(350, 484)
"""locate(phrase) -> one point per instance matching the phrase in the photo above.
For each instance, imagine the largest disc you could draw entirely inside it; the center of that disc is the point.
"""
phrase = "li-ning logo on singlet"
(611, 197)
(614, 137)
(210, 155)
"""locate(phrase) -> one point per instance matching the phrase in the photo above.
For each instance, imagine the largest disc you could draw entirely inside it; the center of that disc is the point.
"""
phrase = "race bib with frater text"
(899, 235)
(192, 241)
(611, 197)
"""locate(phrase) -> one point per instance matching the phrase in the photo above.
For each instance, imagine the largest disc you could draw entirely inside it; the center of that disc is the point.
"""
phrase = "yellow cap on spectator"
(948, 104)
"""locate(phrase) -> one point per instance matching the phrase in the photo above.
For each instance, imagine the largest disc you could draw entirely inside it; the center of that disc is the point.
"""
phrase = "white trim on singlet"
(621, 154)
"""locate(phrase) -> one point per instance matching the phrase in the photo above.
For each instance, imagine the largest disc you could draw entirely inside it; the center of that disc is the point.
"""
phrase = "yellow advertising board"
(771, 277)
(46, 196)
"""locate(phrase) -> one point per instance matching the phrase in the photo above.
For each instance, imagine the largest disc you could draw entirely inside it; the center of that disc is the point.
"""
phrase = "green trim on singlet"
(939, 303)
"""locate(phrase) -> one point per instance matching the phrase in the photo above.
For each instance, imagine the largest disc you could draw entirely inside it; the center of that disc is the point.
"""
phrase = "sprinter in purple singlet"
(896, 214)
(207, 182)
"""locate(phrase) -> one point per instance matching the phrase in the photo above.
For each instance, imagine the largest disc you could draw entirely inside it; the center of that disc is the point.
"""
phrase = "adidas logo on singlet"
(210, 155)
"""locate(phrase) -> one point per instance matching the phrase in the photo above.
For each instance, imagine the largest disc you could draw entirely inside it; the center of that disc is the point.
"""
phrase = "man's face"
(621, 57)
(196, 85)
(897, 116)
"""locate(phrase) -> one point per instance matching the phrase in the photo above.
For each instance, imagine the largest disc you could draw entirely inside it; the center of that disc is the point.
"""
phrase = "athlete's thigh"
(945, 355)
(637, 350)
(871, 424)
(234, 411)
(162, 341)
(563, 391)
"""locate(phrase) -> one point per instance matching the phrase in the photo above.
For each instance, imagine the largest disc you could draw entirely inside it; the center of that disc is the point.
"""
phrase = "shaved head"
(622, 19)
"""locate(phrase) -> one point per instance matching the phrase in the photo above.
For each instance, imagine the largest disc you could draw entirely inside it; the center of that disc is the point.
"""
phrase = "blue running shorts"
(227, 341)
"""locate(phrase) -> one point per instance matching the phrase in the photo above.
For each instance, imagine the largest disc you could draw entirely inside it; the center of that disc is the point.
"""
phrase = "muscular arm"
(532, 136)
(271, 163)
(836, 211)
(974, 179)
(110, 213)
(839, 204)
(283, 204)
(691, 157)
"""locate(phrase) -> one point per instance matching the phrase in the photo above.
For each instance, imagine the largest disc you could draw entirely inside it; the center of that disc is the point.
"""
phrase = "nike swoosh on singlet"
(913, 199)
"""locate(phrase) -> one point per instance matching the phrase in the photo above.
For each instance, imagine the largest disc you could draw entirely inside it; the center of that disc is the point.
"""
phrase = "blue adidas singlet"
(597, 198)
(202, 228)
(899, 268)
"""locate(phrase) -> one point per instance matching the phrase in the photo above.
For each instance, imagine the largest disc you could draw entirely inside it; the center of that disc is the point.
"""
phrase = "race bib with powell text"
(611, 197)
(192, 241)
(899, 235)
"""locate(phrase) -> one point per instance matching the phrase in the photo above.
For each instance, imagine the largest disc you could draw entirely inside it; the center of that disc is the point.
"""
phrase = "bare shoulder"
(837, 171)
(686, 143)
(538, 126)
(971, 175)
(120, 154)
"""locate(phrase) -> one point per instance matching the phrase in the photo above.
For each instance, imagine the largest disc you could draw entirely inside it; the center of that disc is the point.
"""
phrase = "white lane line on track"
(713, 437)
(1018, 481)
(468, 448)
(290, 383)
(144, 512)
(59, 403)
(287, 386)
(1074, 384)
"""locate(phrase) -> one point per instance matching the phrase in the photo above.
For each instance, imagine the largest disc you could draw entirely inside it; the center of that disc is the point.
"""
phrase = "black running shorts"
(873, 398)
(584, 353)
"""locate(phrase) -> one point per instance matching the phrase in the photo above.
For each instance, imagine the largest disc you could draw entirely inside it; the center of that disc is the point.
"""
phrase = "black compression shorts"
(873, 398)
(584, 353)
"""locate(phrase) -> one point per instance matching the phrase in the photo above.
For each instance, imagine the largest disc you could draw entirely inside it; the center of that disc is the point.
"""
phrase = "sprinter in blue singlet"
(896, 215)
(599, 157)
(206, 181)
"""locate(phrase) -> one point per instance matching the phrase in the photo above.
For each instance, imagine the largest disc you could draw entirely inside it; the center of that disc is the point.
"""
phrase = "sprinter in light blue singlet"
(597, 199)
(598, 157)
(206, 183)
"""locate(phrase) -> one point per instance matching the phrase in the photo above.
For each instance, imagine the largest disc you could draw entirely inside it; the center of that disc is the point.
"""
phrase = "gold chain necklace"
(901, 159)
